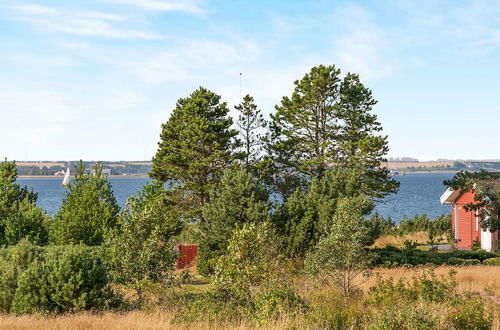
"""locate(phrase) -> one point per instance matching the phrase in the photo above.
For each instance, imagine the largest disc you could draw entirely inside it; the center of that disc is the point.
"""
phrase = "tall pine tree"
(195, 147)
(327, 121)
(250, 124)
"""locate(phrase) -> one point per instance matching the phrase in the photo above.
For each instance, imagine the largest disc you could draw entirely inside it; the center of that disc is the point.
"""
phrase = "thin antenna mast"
(241, 74)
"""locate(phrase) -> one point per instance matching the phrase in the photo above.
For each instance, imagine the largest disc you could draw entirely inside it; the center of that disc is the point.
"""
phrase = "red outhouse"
(466, 223)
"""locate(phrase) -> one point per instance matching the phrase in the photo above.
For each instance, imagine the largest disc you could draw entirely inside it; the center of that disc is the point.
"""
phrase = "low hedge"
(395, 257)
(492, 261)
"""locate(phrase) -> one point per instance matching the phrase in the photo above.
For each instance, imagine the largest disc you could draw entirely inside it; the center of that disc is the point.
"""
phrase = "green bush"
(277, 300)
(403, 316)
(68, 279)
(492, 261)
(14, 260)
(469, 313)
(393, 257)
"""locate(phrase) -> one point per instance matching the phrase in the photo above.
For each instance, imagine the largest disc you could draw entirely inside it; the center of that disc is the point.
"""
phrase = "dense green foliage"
(19, 216)
(395, 257)
(69, 279)
(436, 227)
(340, 257)
(240, 199)
(139, 251)
(486, 194)
(14, 260)
(88, 212)
(328, 121)
(306, 215)
(195, 147)
(52, 279)
(28, 221)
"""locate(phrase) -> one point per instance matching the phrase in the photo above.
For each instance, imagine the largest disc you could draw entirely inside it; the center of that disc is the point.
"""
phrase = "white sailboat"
(66, 177)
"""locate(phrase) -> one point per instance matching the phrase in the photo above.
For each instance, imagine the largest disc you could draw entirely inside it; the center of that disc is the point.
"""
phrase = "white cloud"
(83, 23)
(186, 6)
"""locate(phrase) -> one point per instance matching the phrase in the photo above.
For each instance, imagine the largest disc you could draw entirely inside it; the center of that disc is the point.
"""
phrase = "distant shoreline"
(60, 177)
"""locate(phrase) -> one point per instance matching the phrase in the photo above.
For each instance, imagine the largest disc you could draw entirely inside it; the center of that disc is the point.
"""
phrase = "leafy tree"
(195, 147)
(88, 212)
(250, 122)
(340, 257)
(240, 199)
(306, 215)
(139, 251)
(486, 195)
(19, 215)
(250, 259)
(327, 121)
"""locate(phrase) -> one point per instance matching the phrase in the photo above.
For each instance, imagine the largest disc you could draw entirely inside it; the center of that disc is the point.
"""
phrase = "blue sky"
(95, 79)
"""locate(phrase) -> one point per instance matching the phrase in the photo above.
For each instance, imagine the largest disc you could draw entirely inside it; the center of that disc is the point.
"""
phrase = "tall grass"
(483, 279)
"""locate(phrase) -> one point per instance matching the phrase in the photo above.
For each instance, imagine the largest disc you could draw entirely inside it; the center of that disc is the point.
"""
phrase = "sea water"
(418, 194)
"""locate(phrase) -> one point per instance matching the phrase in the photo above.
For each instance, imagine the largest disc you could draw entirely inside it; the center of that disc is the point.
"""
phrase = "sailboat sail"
(66, 177)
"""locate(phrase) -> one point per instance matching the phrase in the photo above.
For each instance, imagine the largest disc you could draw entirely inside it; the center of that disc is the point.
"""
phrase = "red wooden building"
(465, 224)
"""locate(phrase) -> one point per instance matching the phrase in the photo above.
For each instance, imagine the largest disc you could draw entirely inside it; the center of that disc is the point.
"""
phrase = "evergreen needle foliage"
(195, 147)
(327, 121)
(88, 211)
(250, 123)
(240, 199)
(19, 216)
(306, 215)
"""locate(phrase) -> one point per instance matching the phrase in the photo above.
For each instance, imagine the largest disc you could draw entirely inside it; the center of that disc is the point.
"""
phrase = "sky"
(95, 79)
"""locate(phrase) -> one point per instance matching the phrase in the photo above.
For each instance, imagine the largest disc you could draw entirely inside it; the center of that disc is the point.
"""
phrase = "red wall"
(468, 228)
(187, 256)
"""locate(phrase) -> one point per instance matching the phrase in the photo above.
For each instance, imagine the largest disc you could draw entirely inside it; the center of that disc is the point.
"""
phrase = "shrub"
(14, 260)
(275, 300)
(469, 313)
(69, 279)
(492, 261)
(140, 252)
(403, 316)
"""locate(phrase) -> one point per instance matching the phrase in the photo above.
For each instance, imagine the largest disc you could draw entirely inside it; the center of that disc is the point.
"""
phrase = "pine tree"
(306, 215)
(327, 121)
(250, 123)
(19, 216)
(89, 210)
(240, 199)
(195, 147)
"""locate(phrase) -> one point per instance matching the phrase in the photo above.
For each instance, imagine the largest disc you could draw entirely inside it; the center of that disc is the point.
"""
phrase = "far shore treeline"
(265, 200)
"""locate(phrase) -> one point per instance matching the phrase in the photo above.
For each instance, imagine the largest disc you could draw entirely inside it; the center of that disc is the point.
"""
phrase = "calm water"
(418, 194)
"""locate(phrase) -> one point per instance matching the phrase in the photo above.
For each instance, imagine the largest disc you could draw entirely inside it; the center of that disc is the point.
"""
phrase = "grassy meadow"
(482, 279)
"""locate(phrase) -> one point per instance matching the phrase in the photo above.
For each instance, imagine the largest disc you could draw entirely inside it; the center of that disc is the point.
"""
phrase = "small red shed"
(465, 224)
(187, 255)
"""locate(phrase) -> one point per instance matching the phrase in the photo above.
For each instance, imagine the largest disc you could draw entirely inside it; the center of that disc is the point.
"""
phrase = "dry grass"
(136, 320)
(421, 237)
(483, 279)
